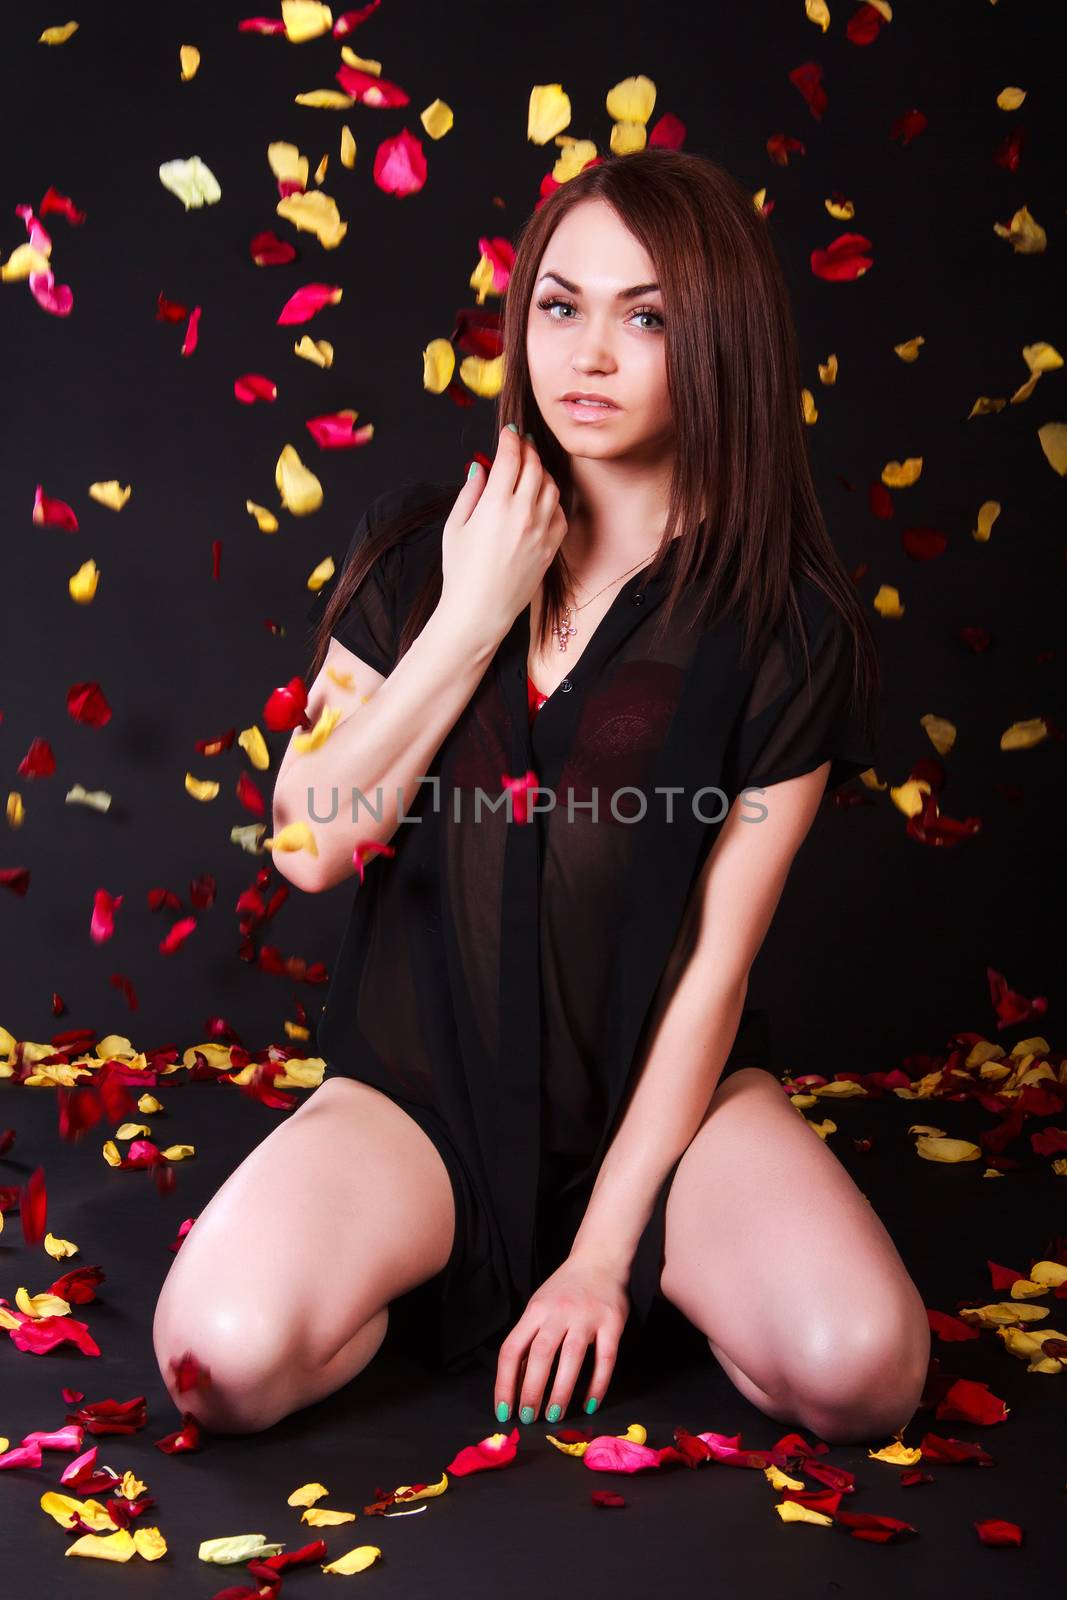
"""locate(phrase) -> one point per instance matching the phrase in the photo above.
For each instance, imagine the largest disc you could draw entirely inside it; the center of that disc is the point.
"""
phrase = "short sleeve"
(789, 726)
(371, 623)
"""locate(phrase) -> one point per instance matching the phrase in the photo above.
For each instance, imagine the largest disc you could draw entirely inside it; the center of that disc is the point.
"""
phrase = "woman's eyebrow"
(623, 294)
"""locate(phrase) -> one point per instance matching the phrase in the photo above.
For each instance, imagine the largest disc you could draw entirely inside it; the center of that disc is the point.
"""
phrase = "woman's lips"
(585, 411)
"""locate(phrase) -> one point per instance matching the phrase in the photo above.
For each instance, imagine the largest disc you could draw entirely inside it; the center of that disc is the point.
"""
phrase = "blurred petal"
(300, 490)
(191, 180)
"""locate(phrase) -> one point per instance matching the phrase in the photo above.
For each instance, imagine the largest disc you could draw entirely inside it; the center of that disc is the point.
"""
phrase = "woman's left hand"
(582, 1301)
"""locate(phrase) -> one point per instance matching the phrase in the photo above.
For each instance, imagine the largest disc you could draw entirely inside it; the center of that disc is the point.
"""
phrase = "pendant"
(565, 629)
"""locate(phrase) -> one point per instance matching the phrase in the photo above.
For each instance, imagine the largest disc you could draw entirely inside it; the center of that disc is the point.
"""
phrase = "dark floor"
(534, 1525)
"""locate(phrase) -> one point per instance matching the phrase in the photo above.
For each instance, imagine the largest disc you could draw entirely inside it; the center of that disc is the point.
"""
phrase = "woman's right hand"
(500, 539)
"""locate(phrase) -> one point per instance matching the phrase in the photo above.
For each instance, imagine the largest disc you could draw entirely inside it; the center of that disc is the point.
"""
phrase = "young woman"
(537, 1107)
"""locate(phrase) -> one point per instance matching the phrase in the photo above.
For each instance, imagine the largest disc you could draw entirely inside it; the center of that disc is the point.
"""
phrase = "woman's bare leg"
(782, 1263)
(282, 1286)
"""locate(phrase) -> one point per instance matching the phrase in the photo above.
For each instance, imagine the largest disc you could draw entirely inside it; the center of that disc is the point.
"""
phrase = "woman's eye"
(548, 306)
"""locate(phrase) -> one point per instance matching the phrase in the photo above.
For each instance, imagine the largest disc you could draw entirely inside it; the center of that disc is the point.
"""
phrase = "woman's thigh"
(346, 1205)
(779, 1259)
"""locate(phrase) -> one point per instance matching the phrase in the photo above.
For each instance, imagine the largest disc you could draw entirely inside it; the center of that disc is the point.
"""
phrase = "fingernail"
(590, 1407)
(471, 470)
(528, 436)
(503, 1411)
(553, 1414)
(513, 426)
(526, 1414)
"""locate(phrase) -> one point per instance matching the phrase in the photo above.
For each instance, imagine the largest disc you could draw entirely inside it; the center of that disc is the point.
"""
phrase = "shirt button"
(639, 598)
(565, 685)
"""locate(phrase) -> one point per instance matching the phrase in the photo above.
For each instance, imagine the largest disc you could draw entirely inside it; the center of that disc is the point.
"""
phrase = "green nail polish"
(528, 436)
(513, 426)
(553, 1414)
(503, 1411)
(590, 1407)
(526, 1414)
(471, 470)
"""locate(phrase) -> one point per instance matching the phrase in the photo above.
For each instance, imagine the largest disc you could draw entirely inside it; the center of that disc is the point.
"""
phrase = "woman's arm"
(696, 1014)
(387, 743)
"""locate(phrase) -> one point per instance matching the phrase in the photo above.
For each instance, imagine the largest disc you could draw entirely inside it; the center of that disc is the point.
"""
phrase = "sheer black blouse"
(499, 974)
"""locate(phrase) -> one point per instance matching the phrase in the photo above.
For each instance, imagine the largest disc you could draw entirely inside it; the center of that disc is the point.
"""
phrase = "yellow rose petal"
(626, 137)
(150, 1543)
(1010, 99)
(318, 351)
(483, 375)
(348, 147)
(1027, 235)
(984, 407)
(323, 1517)
(189, 59)
(988, 512)
(828, 373)
(112, 1547)
(809, 410)
(887, 601)
(325, 99)
(940, 732)
(58, 35)
(437, 119)
(307, 1494)
(1053, 437)
(201, 788)
(305, 19)
(902, 474)
(59, 1249)
(298, 486)
(254, 746)
(82, 586)
(576, 154)
(948, 1150)
(294, 836)
(793, 1511)
(897, 1455)
(314, 212)
(286, 163)
(1024, 735)
(192, 181)
(631, 100)
(817, 11)
(110, 494)
(317, 736)
(357, 1560)
(438, 365)
(909, 350)
(266, 521)
(549, 112)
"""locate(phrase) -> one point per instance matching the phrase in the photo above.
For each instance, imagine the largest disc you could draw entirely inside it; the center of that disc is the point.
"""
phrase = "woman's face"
(587, 338)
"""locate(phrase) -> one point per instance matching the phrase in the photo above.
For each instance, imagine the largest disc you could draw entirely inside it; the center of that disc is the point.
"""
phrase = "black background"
(880, 946)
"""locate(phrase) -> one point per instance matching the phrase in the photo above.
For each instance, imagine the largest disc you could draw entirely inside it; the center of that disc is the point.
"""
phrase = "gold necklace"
(565, 628)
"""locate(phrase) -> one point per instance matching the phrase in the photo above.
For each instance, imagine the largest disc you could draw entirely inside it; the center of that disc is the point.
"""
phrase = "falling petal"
(437, 119)
(909, 351)
(1010, 99)
(300, 490)
(308, 301)
(1027, 236)
(253, 386)
(201, 789)
(266, 521)
(438, 365)
(1053, 438)
(548, 114)
(988, 512)
(110, 494)
(902, 474)
(400, 165)
(843, 260)
(191, 180)
(82, 586)
(53, 513)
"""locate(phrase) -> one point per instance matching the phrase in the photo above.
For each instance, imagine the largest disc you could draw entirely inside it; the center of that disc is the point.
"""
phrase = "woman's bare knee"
(244, 1382)
(282, 1286)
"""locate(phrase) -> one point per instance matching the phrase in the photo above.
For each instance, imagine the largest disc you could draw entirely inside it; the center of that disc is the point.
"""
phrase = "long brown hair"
(741, 488)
